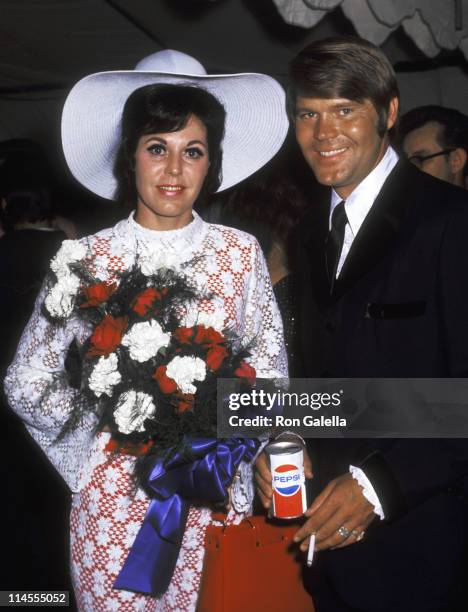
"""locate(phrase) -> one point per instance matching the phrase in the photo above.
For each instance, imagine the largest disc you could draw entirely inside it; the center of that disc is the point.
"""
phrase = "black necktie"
(334, 243)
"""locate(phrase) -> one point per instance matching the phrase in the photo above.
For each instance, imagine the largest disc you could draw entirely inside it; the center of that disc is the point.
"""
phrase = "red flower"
(207, 336)
(107, 335)
(97, 294)
(184, 335)
(215, 357)
(209, 339)
(184, 402)
(166, 384)
(246, 371)
(127, 447)
(147, 299)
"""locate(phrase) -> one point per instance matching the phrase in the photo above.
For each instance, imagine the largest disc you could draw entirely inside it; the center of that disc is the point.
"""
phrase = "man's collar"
(360, 201)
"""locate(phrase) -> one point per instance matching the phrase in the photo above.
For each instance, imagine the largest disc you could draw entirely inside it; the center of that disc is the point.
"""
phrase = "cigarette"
(310, 551)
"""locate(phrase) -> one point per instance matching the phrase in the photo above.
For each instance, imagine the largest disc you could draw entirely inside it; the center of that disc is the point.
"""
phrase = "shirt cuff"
(368, 490)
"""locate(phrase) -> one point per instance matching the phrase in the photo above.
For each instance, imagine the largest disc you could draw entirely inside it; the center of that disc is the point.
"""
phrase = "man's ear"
(457, 160)
(392, 113)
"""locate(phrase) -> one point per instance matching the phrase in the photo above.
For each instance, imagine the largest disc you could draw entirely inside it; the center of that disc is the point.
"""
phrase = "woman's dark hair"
(270, 203)
(156, 109)
(344, 67)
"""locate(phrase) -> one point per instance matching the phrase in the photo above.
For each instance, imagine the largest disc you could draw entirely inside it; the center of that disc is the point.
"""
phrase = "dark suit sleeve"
(406, 472)
(452, 284)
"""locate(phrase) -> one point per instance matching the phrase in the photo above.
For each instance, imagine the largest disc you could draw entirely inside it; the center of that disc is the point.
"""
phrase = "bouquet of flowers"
(149, 369)
(151, 362)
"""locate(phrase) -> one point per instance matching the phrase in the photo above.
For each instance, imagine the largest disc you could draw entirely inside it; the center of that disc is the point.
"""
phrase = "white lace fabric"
(106, 511)
(226, 262)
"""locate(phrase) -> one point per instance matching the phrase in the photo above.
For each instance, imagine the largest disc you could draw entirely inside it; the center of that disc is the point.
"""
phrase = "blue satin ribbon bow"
(151, 561)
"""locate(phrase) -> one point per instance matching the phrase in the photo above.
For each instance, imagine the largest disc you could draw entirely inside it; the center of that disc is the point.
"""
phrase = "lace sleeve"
(37, 390)
(263, 328)
(264, 332)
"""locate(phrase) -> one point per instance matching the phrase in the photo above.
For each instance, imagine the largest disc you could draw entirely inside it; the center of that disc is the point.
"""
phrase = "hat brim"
(256, 122)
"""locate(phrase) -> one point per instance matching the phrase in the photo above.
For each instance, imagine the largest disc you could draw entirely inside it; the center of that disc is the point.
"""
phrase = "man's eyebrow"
(418, 152)
(345, 104)
(336, 106)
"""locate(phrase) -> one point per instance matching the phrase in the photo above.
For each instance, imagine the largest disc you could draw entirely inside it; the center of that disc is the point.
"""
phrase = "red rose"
(97, 294)
(146, 300)
(127, 447)
(208, 335)
(107, 335)
(184, 402)
(184, 335)
(166, 384)
(215, 357)
(246, 371)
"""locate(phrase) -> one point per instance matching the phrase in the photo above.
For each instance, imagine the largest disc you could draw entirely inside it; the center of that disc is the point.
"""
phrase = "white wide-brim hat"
(256, 120)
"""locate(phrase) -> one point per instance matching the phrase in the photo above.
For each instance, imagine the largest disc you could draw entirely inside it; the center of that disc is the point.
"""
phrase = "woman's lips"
(171, 190)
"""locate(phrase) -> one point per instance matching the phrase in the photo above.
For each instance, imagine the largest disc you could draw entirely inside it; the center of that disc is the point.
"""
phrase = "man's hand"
(263, 477)
(338, 516)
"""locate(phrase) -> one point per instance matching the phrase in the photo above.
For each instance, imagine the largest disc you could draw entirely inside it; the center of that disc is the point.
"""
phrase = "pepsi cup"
(288, 482)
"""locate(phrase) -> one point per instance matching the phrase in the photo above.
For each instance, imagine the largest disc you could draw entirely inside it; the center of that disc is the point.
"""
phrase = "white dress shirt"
(359, 202)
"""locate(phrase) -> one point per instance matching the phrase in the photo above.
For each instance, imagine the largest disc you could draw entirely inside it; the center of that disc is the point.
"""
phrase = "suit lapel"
(380, 228)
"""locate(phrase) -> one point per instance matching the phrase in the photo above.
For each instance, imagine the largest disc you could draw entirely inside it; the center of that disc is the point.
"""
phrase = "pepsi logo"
(287, 480)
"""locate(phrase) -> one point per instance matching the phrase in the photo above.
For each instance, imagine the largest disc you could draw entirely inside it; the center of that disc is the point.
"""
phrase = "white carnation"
(105, 375)
(145, 339)
(70, 252)
(59, 302)
(208, 319)
(151, 263)
(132, 410)
(69, 284)
(184, 370)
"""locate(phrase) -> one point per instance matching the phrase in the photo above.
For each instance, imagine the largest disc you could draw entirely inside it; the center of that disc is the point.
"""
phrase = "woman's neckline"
(187, 232)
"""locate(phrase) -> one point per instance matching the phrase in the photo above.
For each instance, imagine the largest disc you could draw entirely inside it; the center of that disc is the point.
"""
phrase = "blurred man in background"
(435, 139)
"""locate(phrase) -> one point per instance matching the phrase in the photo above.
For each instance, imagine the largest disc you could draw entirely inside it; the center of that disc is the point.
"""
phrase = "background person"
(435, 140)
(36, 560)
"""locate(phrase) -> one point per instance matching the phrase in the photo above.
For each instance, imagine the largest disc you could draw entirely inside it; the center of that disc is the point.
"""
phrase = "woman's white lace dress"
(106, 512)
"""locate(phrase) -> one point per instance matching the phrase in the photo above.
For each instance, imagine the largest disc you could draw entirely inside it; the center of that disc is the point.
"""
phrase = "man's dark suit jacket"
(399, 309)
